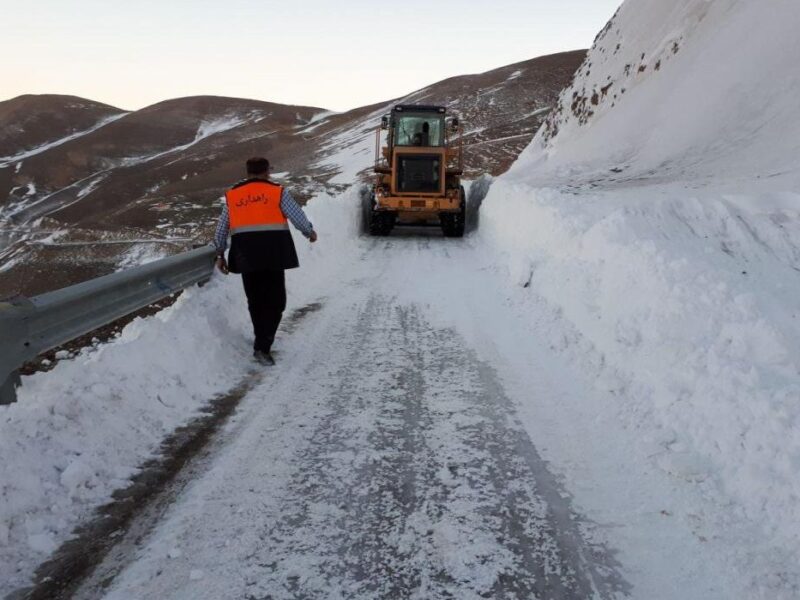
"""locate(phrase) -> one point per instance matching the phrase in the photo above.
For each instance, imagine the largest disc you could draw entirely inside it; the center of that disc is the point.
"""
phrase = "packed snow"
(614, 329)
(383, 457)
(683, 304)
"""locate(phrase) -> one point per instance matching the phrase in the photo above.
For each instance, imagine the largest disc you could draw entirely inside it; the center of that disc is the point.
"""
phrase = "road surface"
(381, 458)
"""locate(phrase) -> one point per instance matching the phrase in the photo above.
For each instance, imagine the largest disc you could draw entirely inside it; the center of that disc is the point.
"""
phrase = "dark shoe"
(264, 358)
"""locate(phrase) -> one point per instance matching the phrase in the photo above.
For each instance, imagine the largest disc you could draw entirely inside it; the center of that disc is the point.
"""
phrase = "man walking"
(256, 213)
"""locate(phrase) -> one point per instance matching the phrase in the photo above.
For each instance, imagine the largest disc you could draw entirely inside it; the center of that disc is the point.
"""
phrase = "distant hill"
(30, 122)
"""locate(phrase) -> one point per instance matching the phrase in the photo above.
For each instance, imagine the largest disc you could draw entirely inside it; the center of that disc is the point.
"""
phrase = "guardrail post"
(15, 349)
(8, 391)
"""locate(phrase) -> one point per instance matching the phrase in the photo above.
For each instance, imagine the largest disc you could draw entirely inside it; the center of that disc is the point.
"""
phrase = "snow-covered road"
(381, 459)
(419, 439)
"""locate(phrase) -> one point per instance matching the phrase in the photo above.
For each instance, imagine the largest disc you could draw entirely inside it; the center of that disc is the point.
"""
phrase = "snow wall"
(676, 276)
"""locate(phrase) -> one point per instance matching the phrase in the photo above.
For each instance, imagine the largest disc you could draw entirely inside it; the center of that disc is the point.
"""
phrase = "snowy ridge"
(688, 89)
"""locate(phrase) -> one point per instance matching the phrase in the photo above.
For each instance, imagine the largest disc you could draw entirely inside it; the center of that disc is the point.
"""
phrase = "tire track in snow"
(414, 485)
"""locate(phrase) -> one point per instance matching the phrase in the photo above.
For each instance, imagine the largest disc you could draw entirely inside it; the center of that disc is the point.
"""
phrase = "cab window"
(419, 130)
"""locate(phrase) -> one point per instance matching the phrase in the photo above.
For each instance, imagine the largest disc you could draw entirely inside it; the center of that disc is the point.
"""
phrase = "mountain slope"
(132, 150)
(688, 89)
(30, 122)
(157, 174)
(501, 110)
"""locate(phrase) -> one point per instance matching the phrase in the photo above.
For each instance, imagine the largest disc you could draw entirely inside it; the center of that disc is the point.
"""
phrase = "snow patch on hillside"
(5, 161)
(353, 153)
(351, 150)
(317, 120)
(140, 254)
(205, 130)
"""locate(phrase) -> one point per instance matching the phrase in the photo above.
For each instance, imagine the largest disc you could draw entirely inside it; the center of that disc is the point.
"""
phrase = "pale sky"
(335, 55)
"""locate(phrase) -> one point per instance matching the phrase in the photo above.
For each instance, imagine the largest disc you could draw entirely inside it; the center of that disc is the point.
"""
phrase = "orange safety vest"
(256, 206)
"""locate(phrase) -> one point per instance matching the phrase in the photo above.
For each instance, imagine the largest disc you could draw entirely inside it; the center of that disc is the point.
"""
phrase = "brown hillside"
(158, 173)
(31, 121)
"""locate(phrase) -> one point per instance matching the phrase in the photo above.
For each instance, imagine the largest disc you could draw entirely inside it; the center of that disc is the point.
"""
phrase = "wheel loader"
(418, 172)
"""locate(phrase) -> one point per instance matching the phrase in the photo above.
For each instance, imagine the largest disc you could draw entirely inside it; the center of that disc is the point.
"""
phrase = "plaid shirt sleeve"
(223, 228)
(291, 209)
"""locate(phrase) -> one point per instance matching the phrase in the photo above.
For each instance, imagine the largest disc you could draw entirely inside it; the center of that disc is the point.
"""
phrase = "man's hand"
(312, 237)
(222, 265)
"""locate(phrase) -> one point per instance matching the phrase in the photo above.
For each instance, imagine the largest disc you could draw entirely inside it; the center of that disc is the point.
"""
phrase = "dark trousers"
(266, 300)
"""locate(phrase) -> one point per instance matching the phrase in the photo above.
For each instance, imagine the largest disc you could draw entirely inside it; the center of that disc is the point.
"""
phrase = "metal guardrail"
(29, 327)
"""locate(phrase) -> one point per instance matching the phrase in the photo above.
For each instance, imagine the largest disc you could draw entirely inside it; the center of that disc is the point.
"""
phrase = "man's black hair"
(257, 166)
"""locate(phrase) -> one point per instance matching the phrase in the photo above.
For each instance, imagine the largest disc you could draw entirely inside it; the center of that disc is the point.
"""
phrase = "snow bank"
(658, 213)
(79, 431)
(686, 89)
(685, 307)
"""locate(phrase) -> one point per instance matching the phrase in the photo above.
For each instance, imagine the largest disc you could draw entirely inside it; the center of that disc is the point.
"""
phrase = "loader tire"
(380, 223)
(453, 223)
(367, 204)
(375, 222)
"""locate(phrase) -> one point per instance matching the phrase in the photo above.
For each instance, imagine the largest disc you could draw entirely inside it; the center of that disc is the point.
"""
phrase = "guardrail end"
(8, 391)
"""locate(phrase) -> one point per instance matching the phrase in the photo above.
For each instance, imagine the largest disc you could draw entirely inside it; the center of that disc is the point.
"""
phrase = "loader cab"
(418, 126)
(417, 144)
